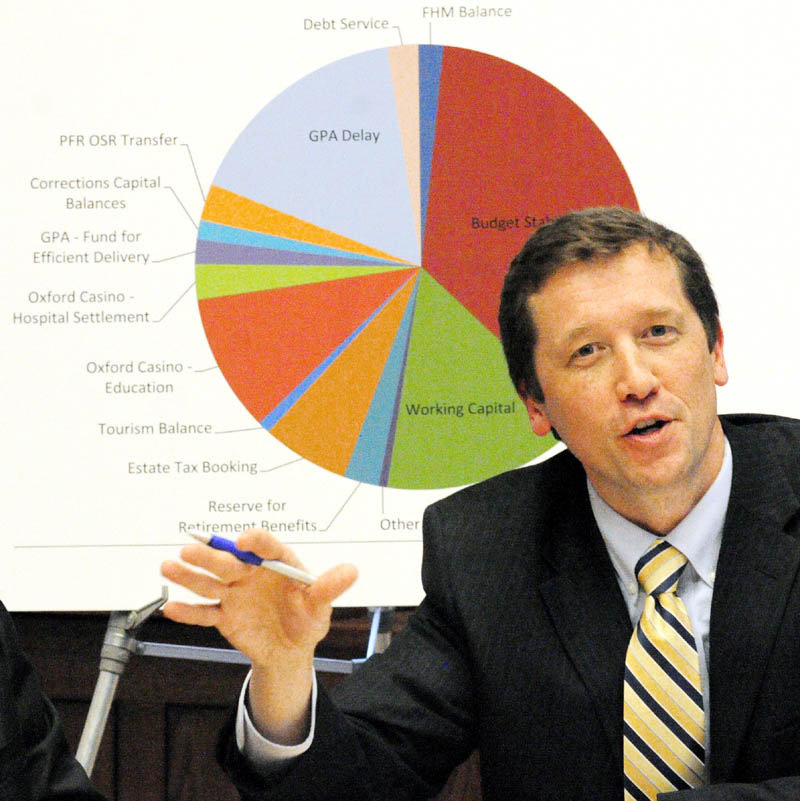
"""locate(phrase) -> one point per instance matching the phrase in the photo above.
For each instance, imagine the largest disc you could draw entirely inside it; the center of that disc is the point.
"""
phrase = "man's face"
(628, 379)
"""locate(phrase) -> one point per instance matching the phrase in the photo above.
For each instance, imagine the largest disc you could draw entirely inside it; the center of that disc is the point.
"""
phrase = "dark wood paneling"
(159, 742)
(190, 737)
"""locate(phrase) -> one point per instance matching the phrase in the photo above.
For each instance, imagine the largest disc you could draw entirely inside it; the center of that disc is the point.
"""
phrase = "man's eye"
(586, 350)
(660, 332)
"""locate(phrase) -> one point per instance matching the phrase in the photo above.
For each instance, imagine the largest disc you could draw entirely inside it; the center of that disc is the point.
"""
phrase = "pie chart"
(352, 249)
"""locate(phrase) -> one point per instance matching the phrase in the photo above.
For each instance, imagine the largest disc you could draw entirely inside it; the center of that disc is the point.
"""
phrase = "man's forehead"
(636, 283)
(651, 257)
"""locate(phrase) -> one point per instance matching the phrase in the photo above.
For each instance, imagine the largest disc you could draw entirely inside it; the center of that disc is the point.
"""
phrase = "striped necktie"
(664, 739)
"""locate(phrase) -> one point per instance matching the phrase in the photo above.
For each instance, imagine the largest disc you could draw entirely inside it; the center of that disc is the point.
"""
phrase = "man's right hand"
(275, 621)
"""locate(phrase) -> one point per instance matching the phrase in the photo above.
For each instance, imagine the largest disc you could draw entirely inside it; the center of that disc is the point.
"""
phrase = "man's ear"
(720, 368)
(540, 422)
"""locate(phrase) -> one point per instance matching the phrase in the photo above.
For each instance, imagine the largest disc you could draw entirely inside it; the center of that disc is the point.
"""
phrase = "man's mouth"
(646, 427)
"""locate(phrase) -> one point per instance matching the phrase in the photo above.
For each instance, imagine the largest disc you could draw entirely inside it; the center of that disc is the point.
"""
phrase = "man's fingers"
(192, 614)
(199, 583)
(332, 583)
(261, 542)
(222, 564)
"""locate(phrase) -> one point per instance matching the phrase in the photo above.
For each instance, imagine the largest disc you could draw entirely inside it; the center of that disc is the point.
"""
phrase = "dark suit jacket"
(35, 762)
(519, 645)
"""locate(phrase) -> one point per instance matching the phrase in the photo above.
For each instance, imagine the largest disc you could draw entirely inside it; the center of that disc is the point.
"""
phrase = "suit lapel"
(589, 613)
(758, 565)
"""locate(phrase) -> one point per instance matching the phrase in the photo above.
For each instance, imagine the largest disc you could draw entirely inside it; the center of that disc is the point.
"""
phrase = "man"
(543, 639)
(35, 762)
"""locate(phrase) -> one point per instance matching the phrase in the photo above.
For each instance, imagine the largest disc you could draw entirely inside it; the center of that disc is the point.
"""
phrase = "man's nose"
(635, 377)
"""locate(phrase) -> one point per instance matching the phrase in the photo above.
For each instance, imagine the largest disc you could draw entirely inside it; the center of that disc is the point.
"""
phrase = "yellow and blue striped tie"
(664, 722)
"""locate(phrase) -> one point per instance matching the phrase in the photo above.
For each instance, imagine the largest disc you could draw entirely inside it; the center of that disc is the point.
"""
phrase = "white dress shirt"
(698, 536)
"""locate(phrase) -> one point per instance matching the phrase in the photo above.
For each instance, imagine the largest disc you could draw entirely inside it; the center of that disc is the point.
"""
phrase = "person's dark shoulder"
(8, 634)
(779, 435)
(753, 423)
(763, 441)
(502, 527)
(517, 505)
(508, 492)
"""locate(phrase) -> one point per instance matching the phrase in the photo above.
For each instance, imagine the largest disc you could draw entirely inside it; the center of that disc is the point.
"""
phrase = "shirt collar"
(698, 535)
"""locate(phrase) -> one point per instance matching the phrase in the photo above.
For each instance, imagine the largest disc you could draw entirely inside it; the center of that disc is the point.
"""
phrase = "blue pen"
(221, 544)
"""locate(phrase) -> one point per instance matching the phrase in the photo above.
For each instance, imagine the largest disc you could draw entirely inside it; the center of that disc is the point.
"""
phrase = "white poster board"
(120, 428)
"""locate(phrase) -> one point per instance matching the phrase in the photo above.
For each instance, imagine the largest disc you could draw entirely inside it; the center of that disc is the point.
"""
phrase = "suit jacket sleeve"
(394, 730)
(35, 761)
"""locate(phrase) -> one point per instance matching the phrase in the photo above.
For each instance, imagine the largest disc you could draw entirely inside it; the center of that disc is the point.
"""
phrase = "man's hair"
(586, 236)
